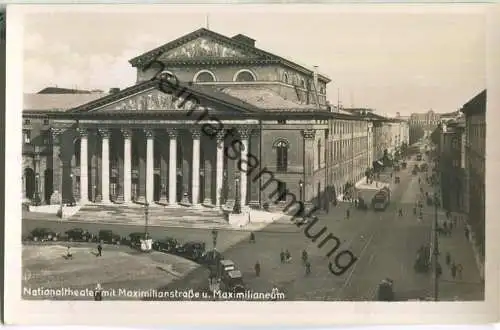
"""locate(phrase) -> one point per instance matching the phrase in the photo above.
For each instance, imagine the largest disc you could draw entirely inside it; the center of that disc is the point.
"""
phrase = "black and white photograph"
(239, 155)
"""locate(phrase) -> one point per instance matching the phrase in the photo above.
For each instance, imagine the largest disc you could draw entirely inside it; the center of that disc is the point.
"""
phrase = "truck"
(381, 199)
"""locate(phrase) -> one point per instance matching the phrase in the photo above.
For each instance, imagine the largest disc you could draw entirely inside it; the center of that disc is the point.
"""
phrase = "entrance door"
(29, 181)
(157, 188)
(48, 188)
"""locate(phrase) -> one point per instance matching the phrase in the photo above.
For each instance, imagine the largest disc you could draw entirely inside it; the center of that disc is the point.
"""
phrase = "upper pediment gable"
(153, 96)
(206, 47)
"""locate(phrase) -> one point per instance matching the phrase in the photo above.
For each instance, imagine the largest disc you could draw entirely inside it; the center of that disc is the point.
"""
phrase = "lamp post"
(301, 196)
(237, 205)
(72, 196)
(146, 219)
(37, 176)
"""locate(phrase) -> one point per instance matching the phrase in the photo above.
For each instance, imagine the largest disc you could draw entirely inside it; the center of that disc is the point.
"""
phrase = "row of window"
(28, 122)
(348, 127)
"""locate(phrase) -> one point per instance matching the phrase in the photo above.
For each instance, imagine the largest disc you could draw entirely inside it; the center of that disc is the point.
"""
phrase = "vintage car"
(397, 179)
(108, 237)
(385, 291)
(232, 281)
(191, 250)
(42, 235)
(134, 240)
(78, 235)
(167, 244)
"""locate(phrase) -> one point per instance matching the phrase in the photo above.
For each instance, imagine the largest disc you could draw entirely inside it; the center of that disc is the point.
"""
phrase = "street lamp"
(37, 176)
(146, 219)
(72, 196)
(301, 196)
(37, 195)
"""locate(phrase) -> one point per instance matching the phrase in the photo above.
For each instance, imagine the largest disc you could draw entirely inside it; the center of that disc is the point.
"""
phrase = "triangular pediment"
(151, 97)
(206, 47)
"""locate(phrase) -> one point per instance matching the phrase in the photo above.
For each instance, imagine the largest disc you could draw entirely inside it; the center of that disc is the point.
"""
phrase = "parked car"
(134, 239)
(107, 236)
(78, 235)
(42, 235)
(232, 281)
(167, 244)
(191, 250)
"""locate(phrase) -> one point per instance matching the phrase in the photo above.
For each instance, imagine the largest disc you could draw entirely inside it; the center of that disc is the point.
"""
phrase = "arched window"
(285, 78)
(281, 147)
(302, 83)
(204, 76)
(319, 153)
(244, 75)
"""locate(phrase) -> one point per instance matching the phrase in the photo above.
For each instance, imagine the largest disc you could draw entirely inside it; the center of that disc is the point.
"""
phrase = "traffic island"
(49, 275)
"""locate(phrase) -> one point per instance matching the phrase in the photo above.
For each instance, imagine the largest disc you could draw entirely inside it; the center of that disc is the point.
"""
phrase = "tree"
(436, 136)
(416, 133)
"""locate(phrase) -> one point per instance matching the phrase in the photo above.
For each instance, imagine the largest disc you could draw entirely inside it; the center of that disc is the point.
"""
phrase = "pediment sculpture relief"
(203, 47)
(154, 101)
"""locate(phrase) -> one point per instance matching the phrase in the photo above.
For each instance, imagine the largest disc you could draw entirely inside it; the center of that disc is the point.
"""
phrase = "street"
(384, 243)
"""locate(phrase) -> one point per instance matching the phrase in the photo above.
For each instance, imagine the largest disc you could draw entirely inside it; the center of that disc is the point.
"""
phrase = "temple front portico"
(168, 164)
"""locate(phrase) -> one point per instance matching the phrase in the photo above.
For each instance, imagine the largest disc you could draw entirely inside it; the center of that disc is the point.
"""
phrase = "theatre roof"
(242, 49)
(57, 102)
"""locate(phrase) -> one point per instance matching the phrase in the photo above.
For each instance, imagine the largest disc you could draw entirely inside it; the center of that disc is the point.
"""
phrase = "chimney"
(114, 90)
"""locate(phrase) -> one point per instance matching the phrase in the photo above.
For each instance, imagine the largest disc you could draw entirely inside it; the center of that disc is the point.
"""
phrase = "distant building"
(422, 124)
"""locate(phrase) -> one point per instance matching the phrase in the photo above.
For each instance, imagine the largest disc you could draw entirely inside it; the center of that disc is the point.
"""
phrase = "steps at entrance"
(157, 215)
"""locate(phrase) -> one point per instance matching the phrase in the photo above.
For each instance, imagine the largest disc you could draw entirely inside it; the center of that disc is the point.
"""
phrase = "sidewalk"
(467, 286)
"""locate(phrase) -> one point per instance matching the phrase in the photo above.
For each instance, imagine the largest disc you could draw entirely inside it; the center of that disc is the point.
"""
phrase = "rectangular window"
(45, 121)
(46, 137)
(27, 121)
(26, 136)
(282, 121)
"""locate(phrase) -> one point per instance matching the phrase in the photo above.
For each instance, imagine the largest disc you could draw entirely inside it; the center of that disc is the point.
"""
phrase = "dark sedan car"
(167, 244)
(78, 235)
(191, 250)
(108, 237)
(42, 234)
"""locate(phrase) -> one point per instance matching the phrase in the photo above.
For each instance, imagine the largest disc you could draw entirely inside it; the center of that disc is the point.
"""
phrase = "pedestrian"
(453, 270)
(257, 269)
(445, 225)
(400, 212)
(99, 250)
(459, 271)
(347, 213)
(252, 237)
(308, 267)
(448, 259)
(356, 203)
(282, 256)
(414, 211)
(304, 256)
(288, 256)
(69, 255)
(98, 293)
(466, 233)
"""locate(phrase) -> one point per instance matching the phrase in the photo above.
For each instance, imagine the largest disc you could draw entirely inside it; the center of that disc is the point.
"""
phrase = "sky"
(392, 59)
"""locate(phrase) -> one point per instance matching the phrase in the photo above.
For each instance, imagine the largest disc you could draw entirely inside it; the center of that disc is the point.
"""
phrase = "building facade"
(209, 120)
(422, 125)
(452, 165)
(475, 147)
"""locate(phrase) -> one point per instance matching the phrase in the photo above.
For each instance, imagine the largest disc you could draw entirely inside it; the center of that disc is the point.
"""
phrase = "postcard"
(249, 164)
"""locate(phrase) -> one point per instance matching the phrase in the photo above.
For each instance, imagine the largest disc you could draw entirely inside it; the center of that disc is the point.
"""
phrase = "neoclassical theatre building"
(141, 144)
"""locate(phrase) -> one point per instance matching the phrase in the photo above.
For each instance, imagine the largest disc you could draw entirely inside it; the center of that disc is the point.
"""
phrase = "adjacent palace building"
(233, 104)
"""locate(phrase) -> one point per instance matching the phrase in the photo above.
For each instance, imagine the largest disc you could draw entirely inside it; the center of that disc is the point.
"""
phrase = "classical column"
(84, 166)
(254, 198)
(56, 197)
(105, 164)
(149, 165)
(308, 152)
(127, 165)
(219, 179)
(195, 195)
(244, 133)
(172, 172)
(164, 171)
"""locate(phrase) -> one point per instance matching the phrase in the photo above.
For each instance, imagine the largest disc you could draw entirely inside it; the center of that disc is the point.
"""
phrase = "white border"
(294, 313)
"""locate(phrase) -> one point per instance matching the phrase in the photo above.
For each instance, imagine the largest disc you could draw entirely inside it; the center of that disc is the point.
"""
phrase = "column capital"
(309, 134)
(56, 132)
(126, 132)
(244, 131)
(150, 133)
(104, 132)
(195, 132)
(83, 132)
(172, 133)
